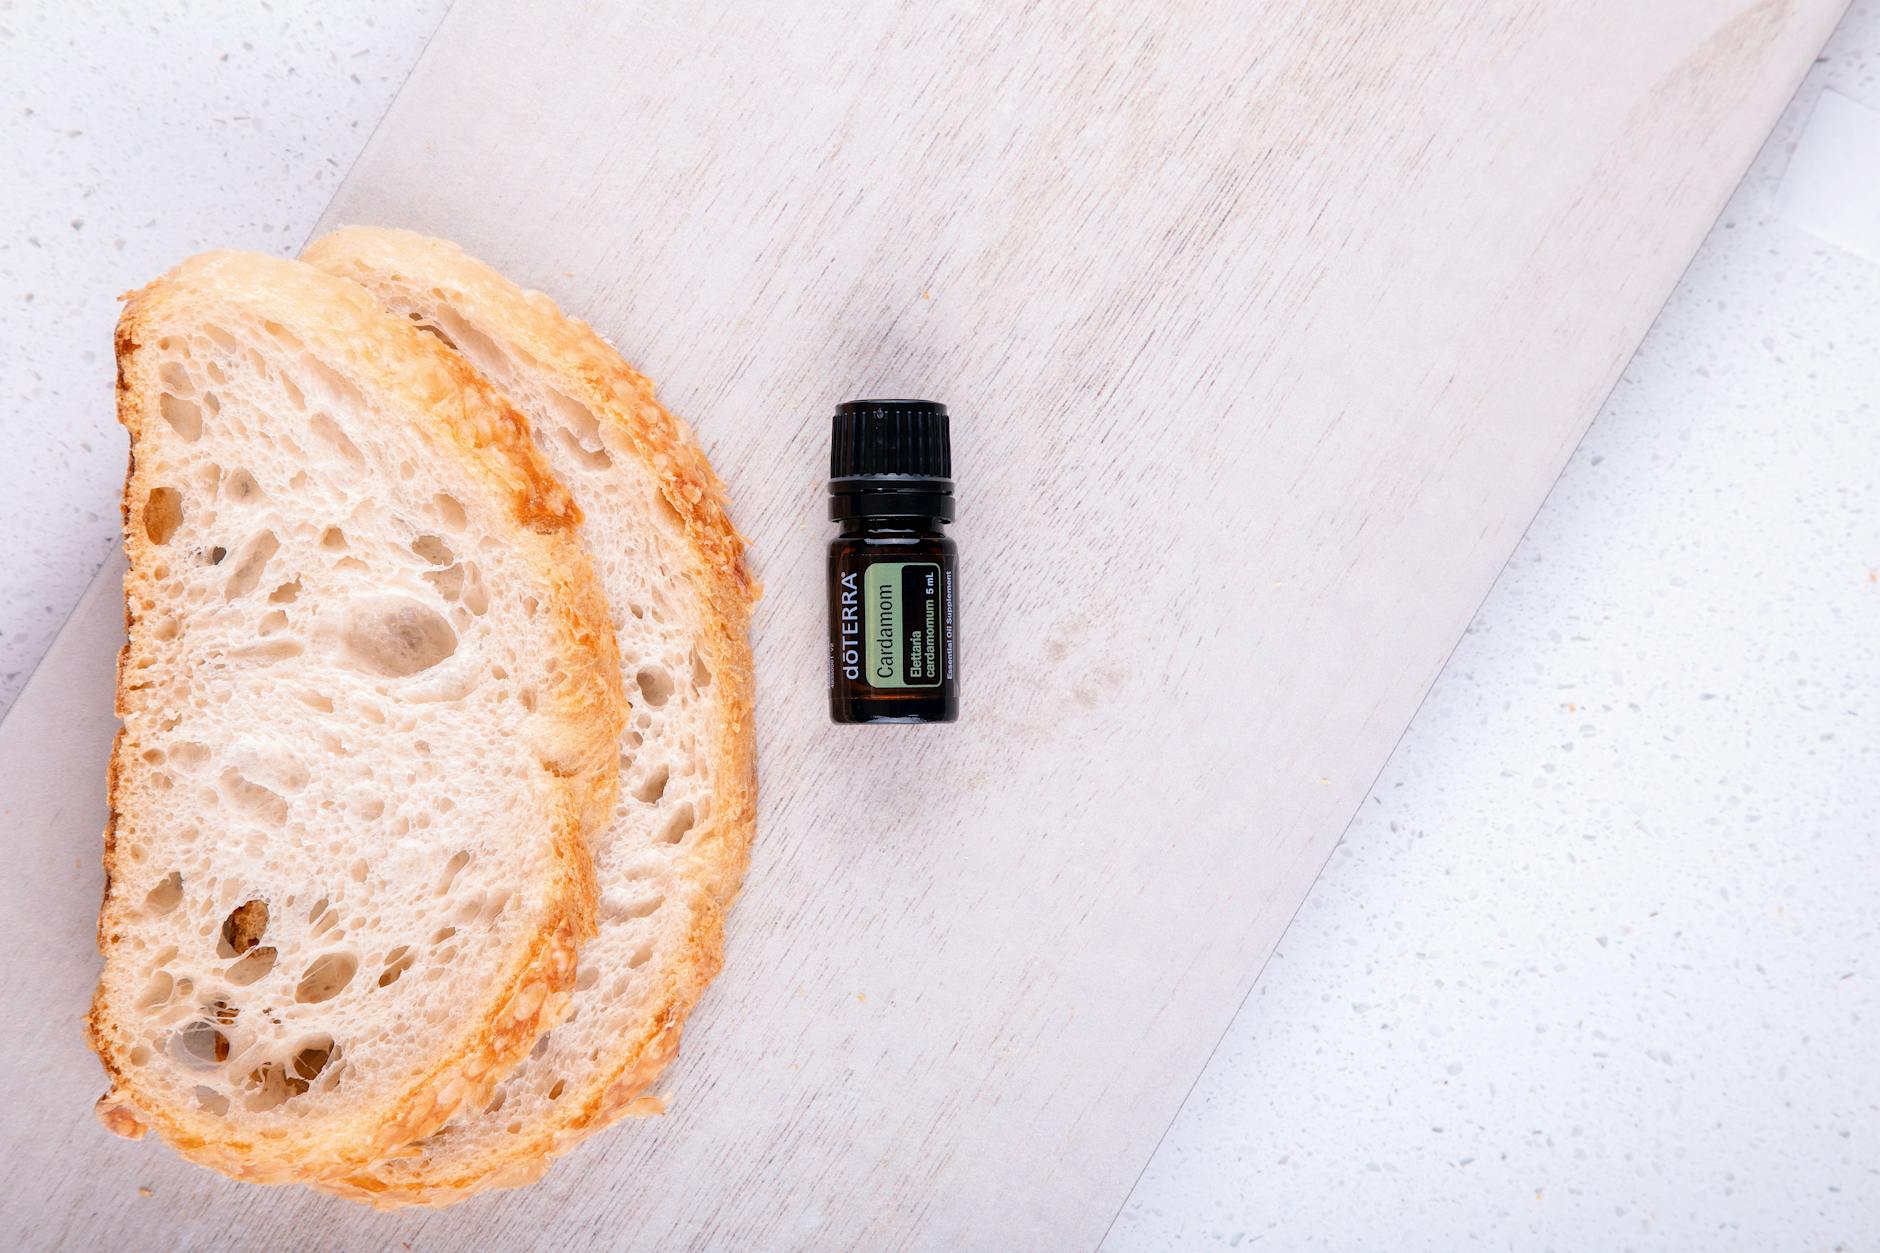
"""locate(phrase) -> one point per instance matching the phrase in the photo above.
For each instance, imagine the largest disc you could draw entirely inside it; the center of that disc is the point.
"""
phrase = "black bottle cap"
(890, 437)
(890, 458)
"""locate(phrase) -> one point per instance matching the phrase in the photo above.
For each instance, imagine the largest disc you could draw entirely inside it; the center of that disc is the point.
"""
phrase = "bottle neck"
(900, 500)
(909, 526)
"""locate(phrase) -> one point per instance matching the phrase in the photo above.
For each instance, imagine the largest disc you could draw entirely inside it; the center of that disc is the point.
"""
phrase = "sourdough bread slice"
(675, 578)
(369, 696)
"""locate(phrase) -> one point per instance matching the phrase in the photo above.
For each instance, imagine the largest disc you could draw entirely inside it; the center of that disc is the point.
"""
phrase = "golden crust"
(482, 431)
(591, 372)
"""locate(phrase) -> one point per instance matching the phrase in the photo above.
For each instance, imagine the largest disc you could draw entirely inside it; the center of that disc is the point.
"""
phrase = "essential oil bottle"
(892, 584)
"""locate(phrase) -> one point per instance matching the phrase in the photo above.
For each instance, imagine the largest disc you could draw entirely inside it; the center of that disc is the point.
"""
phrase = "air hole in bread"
(286, 594)
(433, 549)
(268, 653)
(442, 934)
(396, 638)
(452, 869)
(317, 700)
(246, 796)
(333, 540)
(320, 377)
(592, 458)
(252, 966)
(200, 1045)
(244, 927)
(272, 621)
(314, 1057)
(174, 377)
(295, 396)
(586, 977)
(269, 1086)
(496, 1101)
(189, 754)
(247, 573)
(323, 426)
(580, 431)
(527, 698)
(216, 554)
(655, 685)
(326, 978)
(157, 991)
(701, 673)
(677, 825)
(654, 787)
(620, 907)
(449, 511)
(163, 513)
(239, 485)
(472, 343)
(140, 1055)
(167, 895)
(475, 599)
(397, 962)
(183, 415)
(211, 1100)
(541, 1046)
(431, 328)
(154, 756)
(640, 956)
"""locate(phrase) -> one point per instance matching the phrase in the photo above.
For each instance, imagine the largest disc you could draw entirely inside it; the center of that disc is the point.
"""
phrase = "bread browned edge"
(493, 440)
(594, 373)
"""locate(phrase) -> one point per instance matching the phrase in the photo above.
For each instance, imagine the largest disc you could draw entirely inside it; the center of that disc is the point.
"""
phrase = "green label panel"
(901, 617)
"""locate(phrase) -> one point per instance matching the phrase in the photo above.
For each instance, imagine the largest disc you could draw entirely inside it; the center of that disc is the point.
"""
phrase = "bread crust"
(590, 371)
(588, 709)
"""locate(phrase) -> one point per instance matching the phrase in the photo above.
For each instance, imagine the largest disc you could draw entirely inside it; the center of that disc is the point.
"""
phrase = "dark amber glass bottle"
(893, 647)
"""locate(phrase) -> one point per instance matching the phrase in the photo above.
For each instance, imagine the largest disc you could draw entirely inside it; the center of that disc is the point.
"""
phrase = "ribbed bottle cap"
(907, 437)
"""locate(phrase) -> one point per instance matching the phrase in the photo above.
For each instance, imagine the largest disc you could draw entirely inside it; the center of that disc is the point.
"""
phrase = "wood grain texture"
(1266, 328)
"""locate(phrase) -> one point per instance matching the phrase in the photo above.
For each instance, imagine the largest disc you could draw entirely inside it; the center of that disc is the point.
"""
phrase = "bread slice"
(369, 696)
(680, 594)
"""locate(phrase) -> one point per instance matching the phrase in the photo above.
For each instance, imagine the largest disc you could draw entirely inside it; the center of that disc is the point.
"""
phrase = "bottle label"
(903, 624)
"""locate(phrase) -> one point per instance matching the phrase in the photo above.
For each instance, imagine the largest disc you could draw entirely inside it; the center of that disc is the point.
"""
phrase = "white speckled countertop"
(1594, 968)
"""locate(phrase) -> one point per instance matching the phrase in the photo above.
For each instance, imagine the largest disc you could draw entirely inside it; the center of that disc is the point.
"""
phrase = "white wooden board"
(1266, 326)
